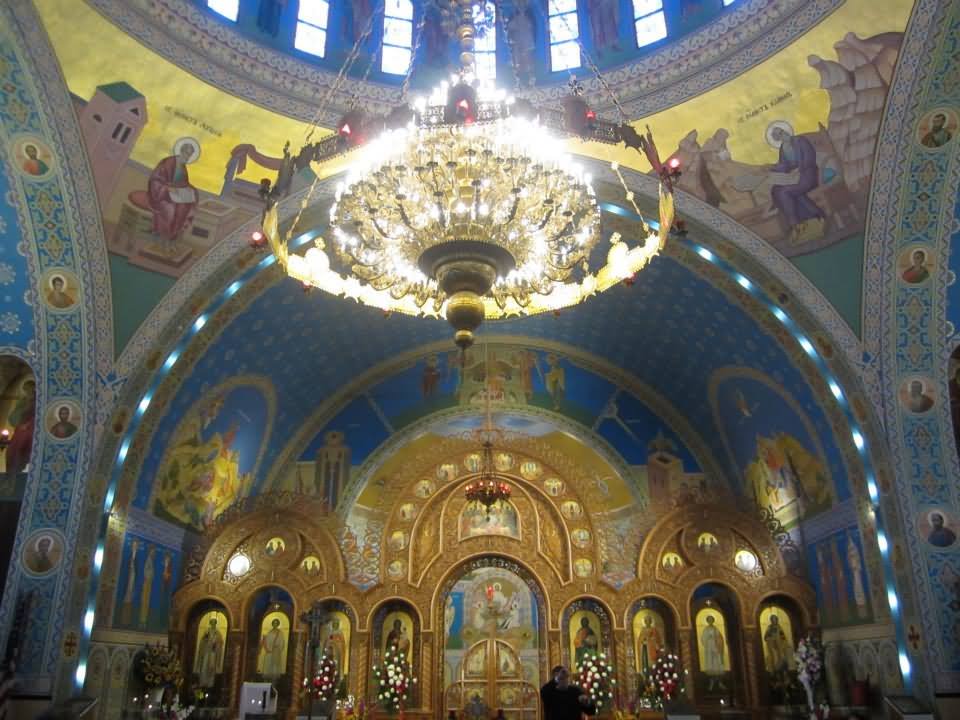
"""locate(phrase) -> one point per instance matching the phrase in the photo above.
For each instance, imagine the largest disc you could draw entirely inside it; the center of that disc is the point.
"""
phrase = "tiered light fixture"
(486, 491)
(465, 205)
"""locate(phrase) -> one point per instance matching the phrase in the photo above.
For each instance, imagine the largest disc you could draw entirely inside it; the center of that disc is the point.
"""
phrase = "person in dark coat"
(563, 701)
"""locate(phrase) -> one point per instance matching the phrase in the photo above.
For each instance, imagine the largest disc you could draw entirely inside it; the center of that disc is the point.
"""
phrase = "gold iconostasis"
(483, 605)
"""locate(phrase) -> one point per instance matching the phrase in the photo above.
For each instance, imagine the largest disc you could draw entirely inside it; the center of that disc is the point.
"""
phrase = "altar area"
(481, 605)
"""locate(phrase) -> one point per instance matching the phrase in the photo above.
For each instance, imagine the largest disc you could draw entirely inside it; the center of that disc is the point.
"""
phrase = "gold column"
(297, 673)
(750, 669)
(426, 671)
(235, 645)
(688, 646)
(361, 662)
(620, 695)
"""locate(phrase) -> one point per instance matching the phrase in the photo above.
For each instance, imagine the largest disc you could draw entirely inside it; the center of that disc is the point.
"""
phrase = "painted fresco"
(148, 573)
(213, 454)
(532, 392)
(525, 379)
(840, 577)
(484, 604)
(175, 161)
(814, 193)
(773, 446)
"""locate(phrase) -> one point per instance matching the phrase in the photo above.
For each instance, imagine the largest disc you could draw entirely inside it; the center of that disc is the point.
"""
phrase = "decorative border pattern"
(905, 327)
(72, 347)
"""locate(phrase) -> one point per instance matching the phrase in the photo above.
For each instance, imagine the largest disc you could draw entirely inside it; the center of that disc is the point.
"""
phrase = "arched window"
(649, 21)
(397, 36)
(311, 35)
(485, 42)
(564, 32)
(728, 3)
(227, 8)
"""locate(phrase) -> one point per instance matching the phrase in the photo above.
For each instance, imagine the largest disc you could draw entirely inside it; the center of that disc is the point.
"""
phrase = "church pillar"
(688, 646)
(424, 694)
(360, 662)
(233, 665)
(297, 672)
(624, 662)
(751, 687)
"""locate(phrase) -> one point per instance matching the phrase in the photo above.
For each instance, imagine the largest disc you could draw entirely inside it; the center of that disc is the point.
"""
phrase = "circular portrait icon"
(937, 527)
(408, 511)
(275, 546)
(447, 472)
(396, 569)
(62, 419)
(503, 461)
(553, 486)
(915, 265)
(937, 128)
(60, 289)
(917, 394)
(42, 552)
(33, 157)
(311, 565)
(583, 567)
(398, 540)
(424, 488)
(530, 469)
(571, 509)
(581, 537)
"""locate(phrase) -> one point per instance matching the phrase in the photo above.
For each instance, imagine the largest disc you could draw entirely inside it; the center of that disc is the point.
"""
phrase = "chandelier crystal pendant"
(466, 205)
(486, 491)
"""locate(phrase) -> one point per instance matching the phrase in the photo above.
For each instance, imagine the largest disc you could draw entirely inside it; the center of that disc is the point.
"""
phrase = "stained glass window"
(485, 41)
(397, 36)
(649, 21)
(227, 8)
(564, 32)
(311, 34)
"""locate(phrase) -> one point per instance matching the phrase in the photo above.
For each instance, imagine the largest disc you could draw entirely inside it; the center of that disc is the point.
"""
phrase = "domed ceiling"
(737, 348)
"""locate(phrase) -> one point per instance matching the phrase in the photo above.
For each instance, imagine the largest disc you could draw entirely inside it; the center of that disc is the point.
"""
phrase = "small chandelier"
(465, 204)
(486, 491)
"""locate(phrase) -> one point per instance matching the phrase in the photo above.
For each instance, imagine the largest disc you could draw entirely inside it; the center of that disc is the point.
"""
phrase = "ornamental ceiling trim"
(194, 40)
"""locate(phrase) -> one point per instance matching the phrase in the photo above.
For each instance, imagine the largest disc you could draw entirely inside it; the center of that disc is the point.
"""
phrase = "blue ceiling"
(672, 330)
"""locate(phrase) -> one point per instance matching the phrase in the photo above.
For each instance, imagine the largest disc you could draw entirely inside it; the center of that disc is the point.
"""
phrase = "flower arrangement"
(597, 679)
(161, 667)
(324, 682)
(393, 679)
(664, 680)
(809, 660)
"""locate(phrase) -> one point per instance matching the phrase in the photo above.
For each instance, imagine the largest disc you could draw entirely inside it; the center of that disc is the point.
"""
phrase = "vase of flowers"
(394, 682)
(809, 660)
(323, 685)
(597, 679)
(663, 683)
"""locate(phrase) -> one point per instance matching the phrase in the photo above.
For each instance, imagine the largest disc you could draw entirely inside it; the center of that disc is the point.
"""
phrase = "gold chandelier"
(466, 205)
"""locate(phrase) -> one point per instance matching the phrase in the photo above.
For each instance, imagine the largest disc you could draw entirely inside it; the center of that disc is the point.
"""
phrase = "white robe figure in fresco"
(714, 652)
(209, 655)
(272, 646)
